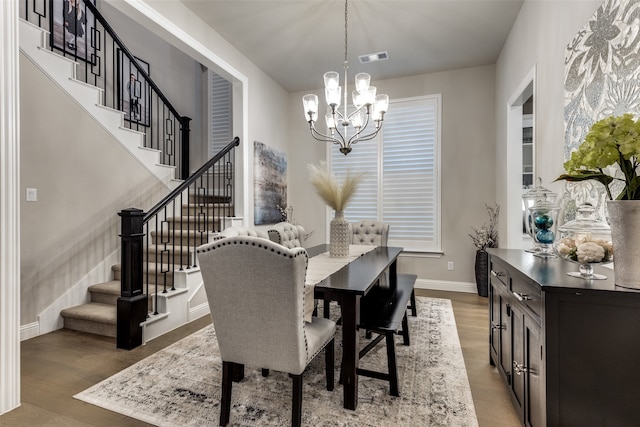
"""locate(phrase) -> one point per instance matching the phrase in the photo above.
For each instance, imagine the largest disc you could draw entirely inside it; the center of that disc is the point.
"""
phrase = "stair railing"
(163, 240)
(102, 60)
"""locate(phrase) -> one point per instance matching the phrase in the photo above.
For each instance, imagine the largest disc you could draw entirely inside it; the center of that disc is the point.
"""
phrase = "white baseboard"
(444, 285)
(198, 311)
(30, 330)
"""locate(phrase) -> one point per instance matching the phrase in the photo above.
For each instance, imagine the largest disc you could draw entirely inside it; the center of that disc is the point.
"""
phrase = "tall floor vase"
(482, 273)
(624, 216)
(339, 236)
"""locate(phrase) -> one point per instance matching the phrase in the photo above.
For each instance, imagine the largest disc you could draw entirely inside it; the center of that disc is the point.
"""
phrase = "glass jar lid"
(586, 222)
(538, 194)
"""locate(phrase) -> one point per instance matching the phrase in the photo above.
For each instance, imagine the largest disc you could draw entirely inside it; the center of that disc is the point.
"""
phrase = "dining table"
(347, 286)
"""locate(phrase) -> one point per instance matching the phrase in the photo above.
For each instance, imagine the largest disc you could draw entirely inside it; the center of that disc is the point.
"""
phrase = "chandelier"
(368, 107)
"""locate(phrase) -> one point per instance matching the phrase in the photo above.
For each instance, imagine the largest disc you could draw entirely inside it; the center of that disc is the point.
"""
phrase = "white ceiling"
(296, 41)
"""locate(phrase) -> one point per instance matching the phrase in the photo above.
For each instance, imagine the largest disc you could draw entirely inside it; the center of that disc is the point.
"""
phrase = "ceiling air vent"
(372, 57)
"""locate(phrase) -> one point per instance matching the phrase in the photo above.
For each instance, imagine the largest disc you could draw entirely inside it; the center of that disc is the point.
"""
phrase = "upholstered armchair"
(241, 231)
(369, 232)
(287, 234)
(255, 289)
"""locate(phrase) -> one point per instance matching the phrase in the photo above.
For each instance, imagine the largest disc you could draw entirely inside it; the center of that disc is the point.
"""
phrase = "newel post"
(184, 137)
(132, 303)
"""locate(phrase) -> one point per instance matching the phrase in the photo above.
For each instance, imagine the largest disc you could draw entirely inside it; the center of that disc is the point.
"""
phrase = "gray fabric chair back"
(255, 290)
(369, 232)
(240, 230)
(287, 234)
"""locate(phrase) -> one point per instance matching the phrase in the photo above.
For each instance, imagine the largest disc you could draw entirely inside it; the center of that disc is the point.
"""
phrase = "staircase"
(62, 71)
(174, 290)
(171, 278)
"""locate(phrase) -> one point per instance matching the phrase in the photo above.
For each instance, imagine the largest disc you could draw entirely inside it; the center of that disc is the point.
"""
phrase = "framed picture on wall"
(134, 92)
(269, 183)
(73, 29)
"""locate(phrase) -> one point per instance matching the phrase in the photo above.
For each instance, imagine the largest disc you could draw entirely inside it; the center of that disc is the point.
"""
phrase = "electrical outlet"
(450, 266)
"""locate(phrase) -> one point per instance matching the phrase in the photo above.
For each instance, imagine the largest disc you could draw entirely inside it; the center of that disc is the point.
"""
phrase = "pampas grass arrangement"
(335, 195)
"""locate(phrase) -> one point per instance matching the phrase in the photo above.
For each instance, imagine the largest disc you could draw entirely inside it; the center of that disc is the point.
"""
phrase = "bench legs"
(391, 364)
(392, 368)
(412, 305)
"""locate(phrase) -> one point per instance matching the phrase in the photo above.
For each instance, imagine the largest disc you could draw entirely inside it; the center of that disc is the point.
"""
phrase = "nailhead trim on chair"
(235, 240)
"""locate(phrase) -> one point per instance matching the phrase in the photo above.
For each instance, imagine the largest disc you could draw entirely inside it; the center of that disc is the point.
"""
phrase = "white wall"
(468, 155)
(538, 38)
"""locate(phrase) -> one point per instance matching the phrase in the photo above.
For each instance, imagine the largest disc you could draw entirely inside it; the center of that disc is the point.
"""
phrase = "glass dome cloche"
(585, 241)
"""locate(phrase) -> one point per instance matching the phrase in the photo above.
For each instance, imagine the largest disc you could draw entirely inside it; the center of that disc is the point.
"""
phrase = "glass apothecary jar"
(530, 199)
(543, 218)
(585, 241)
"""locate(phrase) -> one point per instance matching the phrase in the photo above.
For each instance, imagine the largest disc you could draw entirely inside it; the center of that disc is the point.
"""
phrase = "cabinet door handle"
(519, 369)
(521, 297)
(495, 326)
(497, 273)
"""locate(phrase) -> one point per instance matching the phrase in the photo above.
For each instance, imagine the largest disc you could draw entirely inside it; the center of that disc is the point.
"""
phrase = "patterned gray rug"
(180, 385)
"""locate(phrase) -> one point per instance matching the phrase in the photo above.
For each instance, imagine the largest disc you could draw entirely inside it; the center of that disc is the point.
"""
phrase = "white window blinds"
(221, 125)
(402, 185)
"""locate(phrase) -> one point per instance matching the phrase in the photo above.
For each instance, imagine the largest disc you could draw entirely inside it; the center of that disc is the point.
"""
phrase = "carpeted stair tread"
(190, 233)
(92, 311)
(111, 288)
(105, 293)
(151, 267)
(177, 249)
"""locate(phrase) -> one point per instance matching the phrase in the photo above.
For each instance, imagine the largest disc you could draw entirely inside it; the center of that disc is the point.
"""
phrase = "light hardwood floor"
(58, 365)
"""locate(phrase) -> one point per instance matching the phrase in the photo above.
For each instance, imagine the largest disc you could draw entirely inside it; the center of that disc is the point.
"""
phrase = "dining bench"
(384, 311)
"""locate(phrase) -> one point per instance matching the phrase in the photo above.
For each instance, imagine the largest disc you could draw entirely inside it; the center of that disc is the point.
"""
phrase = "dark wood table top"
(359, 275)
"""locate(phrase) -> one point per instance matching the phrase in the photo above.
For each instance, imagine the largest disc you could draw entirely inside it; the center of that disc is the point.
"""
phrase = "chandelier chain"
(346, 19)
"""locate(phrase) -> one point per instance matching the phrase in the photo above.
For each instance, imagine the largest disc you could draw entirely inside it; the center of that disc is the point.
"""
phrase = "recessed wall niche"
(602, 78)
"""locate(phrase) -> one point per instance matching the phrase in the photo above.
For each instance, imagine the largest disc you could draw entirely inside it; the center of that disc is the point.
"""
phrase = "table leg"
(350, 359)
(393, 275)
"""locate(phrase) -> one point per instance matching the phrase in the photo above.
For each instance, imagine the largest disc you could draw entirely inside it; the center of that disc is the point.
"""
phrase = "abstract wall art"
(269, 183)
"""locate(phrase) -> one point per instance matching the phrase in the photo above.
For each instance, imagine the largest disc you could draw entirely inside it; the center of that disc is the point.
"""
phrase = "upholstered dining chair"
(255, 289)
(287, 234)
(372, 232)
(369, 232)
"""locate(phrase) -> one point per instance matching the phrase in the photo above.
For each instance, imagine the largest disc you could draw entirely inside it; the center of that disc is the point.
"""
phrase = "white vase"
(339, 236)
(624, 217)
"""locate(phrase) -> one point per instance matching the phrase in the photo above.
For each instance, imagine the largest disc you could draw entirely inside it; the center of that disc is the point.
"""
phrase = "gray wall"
(468, 169)
(83, 178)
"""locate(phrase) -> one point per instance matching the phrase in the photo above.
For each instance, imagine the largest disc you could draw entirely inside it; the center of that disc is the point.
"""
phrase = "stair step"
(215, 209)
(105, 293)
(209, 198)
(154, 275)
(195, 222)
(179, 254)
(93, 318)
(190, 238)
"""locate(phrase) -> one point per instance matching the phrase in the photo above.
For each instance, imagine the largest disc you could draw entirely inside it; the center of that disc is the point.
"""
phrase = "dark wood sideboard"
(568, 349)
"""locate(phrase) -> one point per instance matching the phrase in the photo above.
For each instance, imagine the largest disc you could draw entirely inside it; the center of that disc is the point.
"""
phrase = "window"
(220, 123)
(402, 184)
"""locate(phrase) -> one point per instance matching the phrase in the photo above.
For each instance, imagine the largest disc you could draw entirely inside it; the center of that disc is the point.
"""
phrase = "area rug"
(180, 385)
